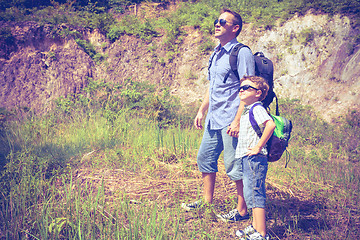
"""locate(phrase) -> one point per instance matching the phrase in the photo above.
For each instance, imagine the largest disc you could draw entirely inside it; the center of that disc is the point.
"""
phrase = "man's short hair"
(237, 19)
(261, 84)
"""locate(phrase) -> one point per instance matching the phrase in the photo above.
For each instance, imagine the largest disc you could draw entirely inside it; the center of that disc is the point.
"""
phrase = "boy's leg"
(259, 221)
(255, 169)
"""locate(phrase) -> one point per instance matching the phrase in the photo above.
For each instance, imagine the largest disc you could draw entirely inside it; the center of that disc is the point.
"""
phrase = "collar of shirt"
(228, 46)
(248, 107)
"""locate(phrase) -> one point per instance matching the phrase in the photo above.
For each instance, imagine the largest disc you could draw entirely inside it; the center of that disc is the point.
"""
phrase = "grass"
(117, 166)
(84, 175)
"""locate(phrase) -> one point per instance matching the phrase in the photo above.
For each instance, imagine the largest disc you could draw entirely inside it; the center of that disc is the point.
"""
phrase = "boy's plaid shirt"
(247, 135)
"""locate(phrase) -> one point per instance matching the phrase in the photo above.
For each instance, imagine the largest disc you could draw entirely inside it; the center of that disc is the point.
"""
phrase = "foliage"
(339, 141)
(141, 99)
(198, 15)
(131, 25)
(6, 36)
(306, 36)
(206, 45)
(90, 50)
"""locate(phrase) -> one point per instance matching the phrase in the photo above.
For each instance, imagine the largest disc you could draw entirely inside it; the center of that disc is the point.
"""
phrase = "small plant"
(206, 45)
(303, 58)
(90, 50)
(190, 75)
(271, 45)
(131, 25)
(6, 35)
(306, 36)
(284, 72)
(350, 48)
(52, 55)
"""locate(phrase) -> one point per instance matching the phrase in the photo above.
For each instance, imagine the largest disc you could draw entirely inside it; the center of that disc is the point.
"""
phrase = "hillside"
(117, 157)
(316, 60)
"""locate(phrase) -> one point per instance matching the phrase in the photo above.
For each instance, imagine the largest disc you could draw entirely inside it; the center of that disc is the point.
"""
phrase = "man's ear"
(235, 28)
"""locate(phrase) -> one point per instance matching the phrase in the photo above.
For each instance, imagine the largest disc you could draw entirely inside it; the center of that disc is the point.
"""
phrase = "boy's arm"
(268, 131)
(233, 129)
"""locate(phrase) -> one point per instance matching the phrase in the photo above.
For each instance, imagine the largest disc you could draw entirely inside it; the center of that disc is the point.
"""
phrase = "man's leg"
(234, 170)
(209, 186)
(210, 149)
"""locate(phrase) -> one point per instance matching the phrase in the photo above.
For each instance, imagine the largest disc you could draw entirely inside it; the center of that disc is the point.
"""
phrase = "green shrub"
(131, 25)
(306, 36)
(6, 36)
(140, 98)
(90, 50)
(206, 45)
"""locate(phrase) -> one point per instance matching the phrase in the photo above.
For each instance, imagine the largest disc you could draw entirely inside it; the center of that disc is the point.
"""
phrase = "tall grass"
(55, 183)
(41, 199)
(323, 152)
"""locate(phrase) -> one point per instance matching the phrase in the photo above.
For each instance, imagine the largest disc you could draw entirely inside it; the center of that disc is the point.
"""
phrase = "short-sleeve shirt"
(247, 135)
(223, 95)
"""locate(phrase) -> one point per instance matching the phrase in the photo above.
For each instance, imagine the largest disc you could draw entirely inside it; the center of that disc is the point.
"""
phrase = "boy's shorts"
(212, 144)
(254, 171)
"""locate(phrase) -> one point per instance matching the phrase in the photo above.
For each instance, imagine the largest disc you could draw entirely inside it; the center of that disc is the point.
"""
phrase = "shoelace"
(248, 230)
(195, 204)
(232, 213)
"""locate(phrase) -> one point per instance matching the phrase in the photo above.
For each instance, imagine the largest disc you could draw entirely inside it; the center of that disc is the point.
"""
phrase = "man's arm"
(246, 67)
(233, 129)
(268, 131)
(201, 113)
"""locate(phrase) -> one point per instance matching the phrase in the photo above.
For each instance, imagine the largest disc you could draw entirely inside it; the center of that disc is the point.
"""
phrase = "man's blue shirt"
(223, 97)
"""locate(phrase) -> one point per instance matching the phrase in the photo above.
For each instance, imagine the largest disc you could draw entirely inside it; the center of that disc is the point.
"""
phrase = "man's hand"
(233, 129)
(198, 120)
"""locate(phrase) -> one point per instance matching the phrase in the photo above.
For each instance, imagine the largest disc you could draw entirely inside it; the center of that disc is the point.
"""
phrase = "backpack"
(264, 67)
(279, 141)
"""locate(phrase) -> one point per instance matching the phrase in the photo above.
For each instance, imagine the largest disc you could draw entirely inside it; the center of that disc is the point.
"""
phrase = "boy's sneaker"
(233, 216)
(192, 206)
(246, 232)
(255, 236)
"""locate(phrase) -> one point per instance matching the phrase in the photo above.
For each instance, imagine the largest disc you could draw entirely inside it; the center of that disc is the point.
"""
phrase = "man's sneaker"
(246, 232)
(233, 216)
(192, 206)
(255, 236)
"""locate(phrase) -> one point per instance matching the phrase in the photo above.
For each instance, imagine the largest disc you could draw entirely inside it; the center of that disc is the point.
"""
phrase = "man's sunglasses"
(246, 87)
(221, 21)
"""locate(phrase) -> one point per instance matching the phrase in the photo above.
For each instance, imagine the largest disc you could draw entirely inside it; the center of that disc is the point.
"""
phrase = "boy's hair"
(237, 19)
(261, 84)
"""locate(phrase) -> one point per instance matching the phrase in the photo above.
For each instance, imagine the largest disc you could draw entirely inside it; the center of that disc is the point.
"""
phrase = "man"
(224, 110)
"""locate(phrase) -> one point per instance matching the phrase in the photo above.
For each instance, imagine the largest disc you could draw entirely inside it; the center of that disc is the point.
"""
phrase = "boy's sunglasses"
(246, 87)
(221, 21)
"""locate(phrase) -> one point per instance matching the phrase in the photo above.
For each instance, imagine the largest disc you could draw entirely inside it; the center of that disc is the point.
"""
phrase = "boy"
(252, 154)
